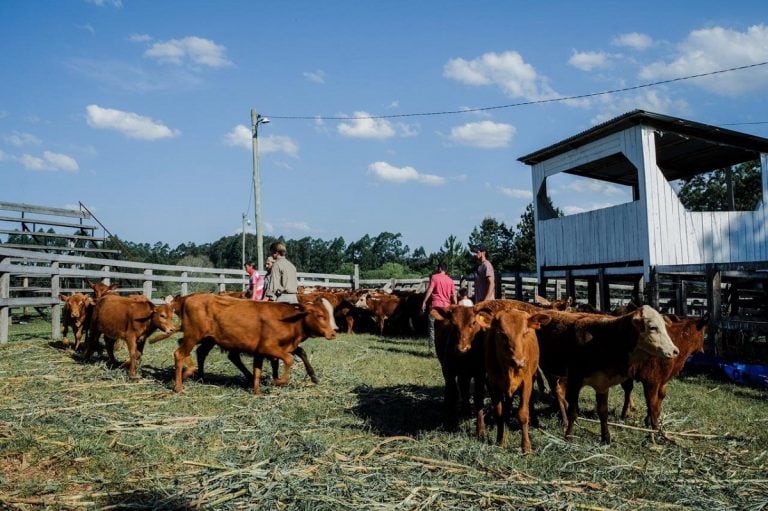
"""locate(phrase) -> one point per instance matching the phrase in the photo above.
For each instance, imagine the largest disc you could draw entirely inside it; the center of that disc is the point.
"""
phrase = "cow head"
(100, 289)
(162, 318)
(461, 323)
(510, 331)
(654, 338)
(77, 305)
(318, 318)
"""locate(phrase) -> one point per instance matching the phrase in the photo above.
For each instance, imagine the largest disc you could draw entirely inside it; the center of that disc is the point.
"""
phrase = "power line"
(526, 103)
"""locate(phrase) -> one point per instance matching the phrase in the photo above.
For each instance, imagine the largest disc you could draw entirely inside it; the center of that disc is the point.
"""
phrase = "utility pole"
(257, 119)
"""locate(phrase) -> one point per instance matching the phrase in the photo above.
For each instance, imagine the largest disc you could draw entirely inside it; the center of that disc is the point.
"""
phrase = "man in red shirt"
(442, 293)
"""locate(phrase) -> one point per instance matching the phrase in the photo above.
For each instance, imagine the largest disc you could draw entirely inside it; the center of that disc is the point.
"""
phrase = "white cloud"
(507, 70)
(592, 186)
(19, 139)
(315, 76)
(572, 210)
(517, 193)
(633, 40)
(240, 136)
(129, 124)
(101, 3)
(588, 60)
(362, 126)
(297, 226)
(483, 134)
(49, 161)
(195, 49)
(383, 171)
(3, 156)
(139, 38)
(713, 49)
(651, 100)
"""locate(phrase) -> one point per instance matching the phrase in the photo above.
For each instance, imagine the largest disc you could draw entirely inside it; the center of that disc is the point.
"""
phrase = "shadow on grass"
(167, 375)
(146, 499)
(399, 409)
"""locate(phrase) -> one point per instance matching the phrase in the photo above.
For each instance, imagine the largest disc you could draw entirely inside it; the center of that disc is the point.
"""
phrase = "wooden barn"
(651, 233)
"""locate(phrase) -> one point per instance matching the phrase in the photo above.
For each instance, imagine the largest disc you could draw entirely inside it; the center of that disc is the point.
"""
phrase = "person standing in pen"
(442, 293)
(485, 279)
(283, 281)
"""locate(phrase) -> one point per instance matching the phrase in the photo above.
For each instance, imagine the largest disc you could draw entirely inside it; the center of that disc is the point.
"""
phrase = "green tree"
(498, 239)
(710, 191)
(453, 254)
(524, 245)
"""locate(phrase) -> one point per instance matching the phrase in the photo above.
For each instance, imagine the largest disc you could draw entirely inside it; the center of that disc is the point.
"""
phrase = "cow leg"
(500, 408)
(523, 415)
(299, 352)
(109, 342)
(275, 364)
(133, 356)
(258, 362)
(64, 331)
(350, 323)
(286, 377)
(479, 400)
(202, 351)
(573, 387)
(78, 333)
(627, 385)
(183, 366)
(450, 396)
(90, 342)
(234, 357)
(464, 384)
(653, 397)
(602, 412)
(559, 385)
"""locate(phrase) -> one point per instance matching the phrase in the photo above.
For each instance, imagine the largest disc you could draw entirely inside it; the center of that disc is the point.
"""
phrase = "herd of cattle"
(504, 346)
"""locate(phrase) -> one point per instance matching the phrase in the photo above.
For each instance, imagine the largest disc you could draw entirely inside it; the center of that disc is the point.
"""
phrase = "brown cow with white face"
(262, 329)
(76, 315)
(131, 318)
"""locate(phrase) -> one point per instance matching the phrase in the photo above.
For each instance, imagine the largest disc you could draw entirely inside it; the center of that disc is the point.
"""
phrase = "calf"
(262, 329)
(100, 289)
(511, 361)
(460, 352)
(77, 315)
(601, 351)
(132, 319)
(688, 335)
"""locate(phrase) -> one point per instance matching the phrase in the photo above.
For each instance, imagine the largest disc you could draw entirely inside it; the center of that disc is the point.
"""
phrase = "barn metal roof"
(684, 148)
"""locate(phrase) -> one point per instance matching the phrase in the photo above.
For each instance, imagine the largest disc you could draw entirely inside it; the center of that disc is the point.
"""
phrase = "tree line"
(385, 255)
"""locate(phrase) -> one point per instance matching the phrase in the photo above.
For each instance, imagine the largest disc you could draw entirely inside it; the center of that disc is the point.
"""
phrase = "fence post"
(714, 302)
(222, 285)
(184, 284)
(5, 293)
(56, 309)
(106, 280)
(148, 284)
(356, 277)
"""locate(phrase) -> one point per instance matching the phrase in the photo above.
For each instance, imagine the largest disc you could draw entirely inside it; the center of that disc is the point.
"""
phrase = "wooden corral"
(651, 242)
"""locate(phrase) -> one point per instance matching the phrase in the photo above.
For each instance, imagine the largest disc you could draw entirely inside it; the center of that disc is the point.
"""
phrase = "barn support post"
(652, 290)
(542, 289)
(592, 291)
(714, 301)
(638, 291)
(5, 294)
(56, 309)
(184, 283)
(148, 284)
(605, 291)
(570, 286)
(518, 286)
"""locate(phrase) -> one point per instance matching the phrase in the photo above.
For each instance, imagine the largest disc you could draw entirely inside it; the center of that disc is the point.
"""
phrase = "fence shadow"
(399, 409)
(147, 499)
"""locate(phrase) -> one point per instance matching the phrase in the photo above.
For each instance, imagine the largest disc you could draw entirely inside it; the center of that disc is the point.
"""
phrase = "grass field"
(369, 436)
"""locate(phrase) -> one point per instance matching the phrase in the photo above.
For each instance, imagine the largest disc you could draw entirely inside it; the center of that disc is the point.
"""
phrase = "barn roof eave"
(717, 135)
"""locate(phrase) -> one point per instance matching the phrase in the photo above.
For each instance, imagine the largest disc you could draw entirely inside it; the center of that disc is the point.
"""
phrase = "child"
(463, 298)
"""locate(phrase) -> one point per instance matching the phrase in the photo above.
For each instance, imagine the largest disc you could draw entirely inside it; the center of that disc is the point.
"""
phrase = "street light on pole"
(257, 119)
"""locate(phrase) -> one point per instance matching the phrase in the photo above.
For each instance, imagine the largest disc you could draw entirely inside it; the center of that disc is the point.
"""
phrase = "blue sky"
(141, 109)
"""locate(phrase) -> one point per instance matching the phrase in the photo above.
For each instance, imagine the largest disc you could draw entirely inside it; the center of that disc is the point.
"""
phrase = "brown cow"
(263, 329)
(100, 289)
(600, 351)
(456, 326)
(131, 318)
(383, 307)
(511, 362)
(655, 373)
(76, 315)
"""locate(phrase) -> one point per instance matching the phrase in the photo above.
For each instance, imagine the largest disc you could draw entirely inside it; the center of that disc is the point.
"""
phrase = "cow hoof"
(315, 380)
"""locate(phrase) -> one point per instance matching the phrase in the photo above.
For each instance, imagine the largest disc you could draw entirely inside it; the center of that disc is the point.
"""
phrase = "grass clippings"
(77, 435)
